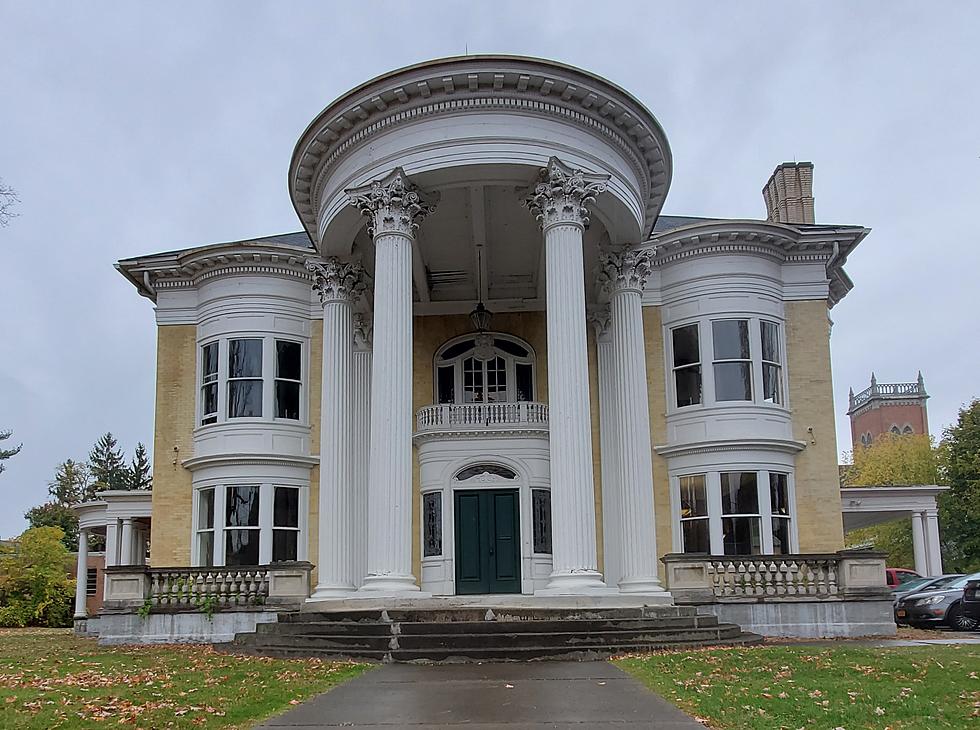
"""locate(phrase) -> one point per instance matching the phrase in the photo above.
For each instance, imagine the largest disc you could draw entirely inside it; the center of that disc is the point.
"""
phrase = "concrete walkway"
(536, 695)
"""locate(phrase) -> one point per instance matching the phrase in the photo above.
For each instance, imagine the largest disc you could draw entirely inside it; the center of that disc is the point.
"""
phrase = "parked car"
(896, 576)
(921, 585)
(941, 607)
(971, 600)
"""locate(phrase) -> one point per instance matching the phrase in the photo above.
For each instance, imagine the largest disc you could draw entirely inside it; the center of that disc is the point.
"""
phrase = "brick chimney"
(789, 193)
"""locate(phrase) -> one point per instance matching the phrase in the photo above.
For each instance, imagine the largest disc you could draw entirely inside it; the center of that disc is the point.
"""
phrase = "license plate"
(900, 613)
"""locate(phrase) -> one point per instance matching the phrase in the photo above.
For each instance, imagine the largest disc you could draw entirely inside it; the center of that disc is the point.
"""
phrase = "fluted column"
(81, 576)
(339, 285)
(622, 277)
(919, 544)
(560, 202)
(934, 555)
(395, 209)
(126, 547)
(361, 435)
(612, 544)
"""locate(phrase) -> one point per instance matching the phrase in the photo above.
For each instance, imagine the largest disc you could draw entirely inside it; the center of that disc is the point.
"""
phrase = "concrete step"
(452, 614)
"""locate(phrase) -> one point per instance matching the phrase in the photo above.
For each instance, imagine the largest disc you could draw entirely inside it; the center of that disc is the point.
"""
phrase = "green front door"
(488, 554)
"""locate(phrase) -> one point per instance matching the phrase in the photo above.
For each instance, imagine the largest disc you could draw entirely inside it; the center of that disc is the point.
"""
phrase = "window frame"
(511, 362)
(209, 380)
(698, 366)
(747, 360)
(300, 417)
(706, 518)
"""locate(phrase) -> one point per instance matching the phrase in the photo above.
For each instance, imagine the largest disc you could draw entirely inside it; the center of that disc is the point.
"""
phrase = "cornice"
(538, 431)
(480, 83)
(200, 462)
(789, 446)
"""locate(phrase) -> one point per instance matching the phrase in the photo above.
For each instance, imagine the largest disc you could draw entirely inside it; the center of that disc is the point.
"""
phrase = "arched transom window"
(484, 368)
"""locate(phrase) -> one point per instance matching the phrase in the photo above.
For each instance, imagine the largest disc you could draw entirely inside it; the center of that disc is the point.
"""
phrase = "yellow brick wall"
(656, 391)
(811, 399)
(170, 530)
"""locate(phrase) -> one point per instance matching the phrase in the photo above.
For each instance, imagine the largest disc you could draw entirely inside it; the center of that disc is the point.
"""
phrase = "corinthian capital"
(337, 281)
(626, 270)
(363, 331)
(600, 320)
(564, 194)
(392, 204)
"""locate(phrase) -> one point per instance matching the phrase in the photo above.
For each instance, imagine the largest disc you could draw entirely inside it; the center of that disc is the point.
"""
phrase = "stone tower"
(898, 408)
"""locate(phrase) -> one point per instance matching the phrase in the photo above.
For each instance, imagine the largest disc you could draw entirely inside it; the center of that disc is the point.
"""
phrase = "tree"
(139, 470)
(7, 453)
(107, 466)
(52, 514)
(959, 508)
(35, 589)
(8, 199)
(72, 483)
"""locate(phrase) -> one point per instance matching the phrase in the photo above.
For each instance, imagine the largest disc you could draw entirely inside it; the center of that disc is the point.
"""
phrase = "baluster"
(832, 571)
(778, 578)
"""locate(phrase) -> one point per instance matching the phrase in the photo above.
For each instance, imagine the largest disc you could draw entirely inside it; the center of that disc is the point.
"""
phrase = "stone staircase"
(485, 634)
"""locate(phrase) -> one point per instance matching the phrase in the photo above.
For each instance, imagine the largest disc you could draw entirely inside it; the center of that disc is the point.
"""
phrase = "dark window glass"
(289, 360)
(770, 341)
(209, 361)
(739, 493)
(205, 515)
(244, 399)
(694, 500)
(733, 381)
(686, 350)
(696, 537)
(731, 339)
(541, 520)
(472, 380)
(524, 374)
(91, 587)
(209, 403)
(511, 347)
(743, 535)
(447, 384)
(242, 506)
(285, 511)
(205, 548)
(209, 383)
(287, 399)
(771, 385)
(241, 547)
(432, 524)
(496, 391)
(284, 543)
(780, 536)
(475, 471)
(779, 494)
(688, 382)
(458, 349)
(245, 358)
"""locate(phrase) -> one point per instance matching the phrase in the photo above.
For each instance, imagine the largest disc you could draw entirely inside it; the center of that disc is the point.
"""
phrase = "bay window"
(732, 360)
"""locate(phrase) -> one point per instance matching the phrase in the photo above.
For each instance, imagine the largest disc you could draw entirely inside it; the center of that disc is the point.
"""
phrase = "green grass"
(51, 679)
(830, 687)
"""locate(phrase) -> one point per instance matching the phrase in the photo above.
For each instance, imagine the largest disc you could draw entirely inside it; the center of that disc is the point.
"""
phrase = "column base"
(390, 585)
(326, 593)
(640, 584)
(577, 583)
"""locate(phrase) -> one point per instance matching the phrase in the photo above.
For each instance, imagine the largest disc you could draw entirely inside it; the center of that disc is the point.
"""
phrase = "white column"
(919, 544)
(395, 209)
(361, 435)
(560, 202)
(339, 284)
(81, 575)
(112, 543)
(126, 548)
(612, 545)
(933, 546)
(622, 276)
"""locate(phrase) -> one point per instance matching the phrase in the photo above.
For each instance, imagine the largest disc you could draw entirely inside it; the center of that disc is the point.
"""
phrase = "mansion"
(488, 363)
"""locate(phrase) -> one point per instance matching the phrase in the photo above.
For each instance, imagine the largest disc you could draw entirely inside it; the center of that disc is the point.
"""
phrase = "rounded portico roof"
(621, 136)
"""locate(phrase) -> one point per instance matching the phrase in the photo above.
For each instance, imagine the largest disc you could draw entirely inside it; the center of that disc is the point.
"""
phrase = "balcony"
(481, 420)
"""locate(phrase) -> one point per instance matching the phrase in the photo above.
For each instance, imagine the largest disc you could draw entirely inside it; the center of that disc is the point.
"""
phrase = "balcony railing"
(480, 417)
(887, 390)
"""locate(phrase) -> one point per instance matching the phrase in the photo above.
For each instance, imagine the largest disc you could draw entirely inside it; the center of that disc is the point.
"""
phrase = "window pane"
(245, 399)
(245, 358)
(778, 494)
(447, 384)
(525, 381)
(541, 520)
(739, 494)
(209, 401)
(287, 399)
(686, 350)
(733, 381)
(91, 581)
(770, 341)
(241, 547)
(458, 349)
(242, 507)
(688, 381)
(493, 469)
(694, 501)
(510, 347)
(284, 544)
(731, 338)
(205, 509)
(432, 524)
(743, 535)
(205, 548)
(780, 536)
(285, 509)
(209, 361)
(771, 384)
(696, 538)
(289, 360)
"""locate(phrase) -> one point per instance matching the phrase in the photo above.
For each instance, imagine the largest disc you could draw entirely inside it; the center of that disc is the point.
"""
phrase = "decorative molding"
(229, 459)
(708, 447)
(393, 204)
(337, 281)
(533, 430)
(563, 195)
(600, 319)
(626, 270)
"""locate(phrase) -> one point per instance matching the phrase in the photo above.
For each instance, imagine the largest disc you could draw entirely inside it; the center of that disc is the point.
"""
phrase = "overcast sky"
(131, 128)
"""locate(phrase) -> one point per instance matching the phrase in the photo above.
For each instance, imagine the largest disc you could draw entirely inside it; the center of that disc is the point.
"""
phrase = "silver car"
(940, 607)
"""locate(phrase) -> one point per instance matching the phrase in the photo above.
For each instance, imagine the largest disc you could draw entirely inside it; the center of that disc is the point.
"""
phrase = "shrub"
(35, 589)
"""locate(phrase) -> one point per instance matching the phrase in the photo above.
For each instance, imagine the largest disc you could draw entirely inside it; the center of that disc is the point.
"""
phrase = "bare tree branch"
(8, 199)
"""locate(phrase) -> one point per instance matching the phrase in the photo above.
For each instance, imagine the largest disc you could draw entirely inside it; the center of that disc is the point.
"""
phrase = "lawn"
(827, 687)
(51, 679)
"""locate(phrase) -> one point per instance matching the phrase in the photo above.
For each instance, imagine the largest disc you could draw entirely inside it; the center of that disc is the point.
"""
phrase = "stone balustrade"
(211, 588)
(887, 390)
(481, 416)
